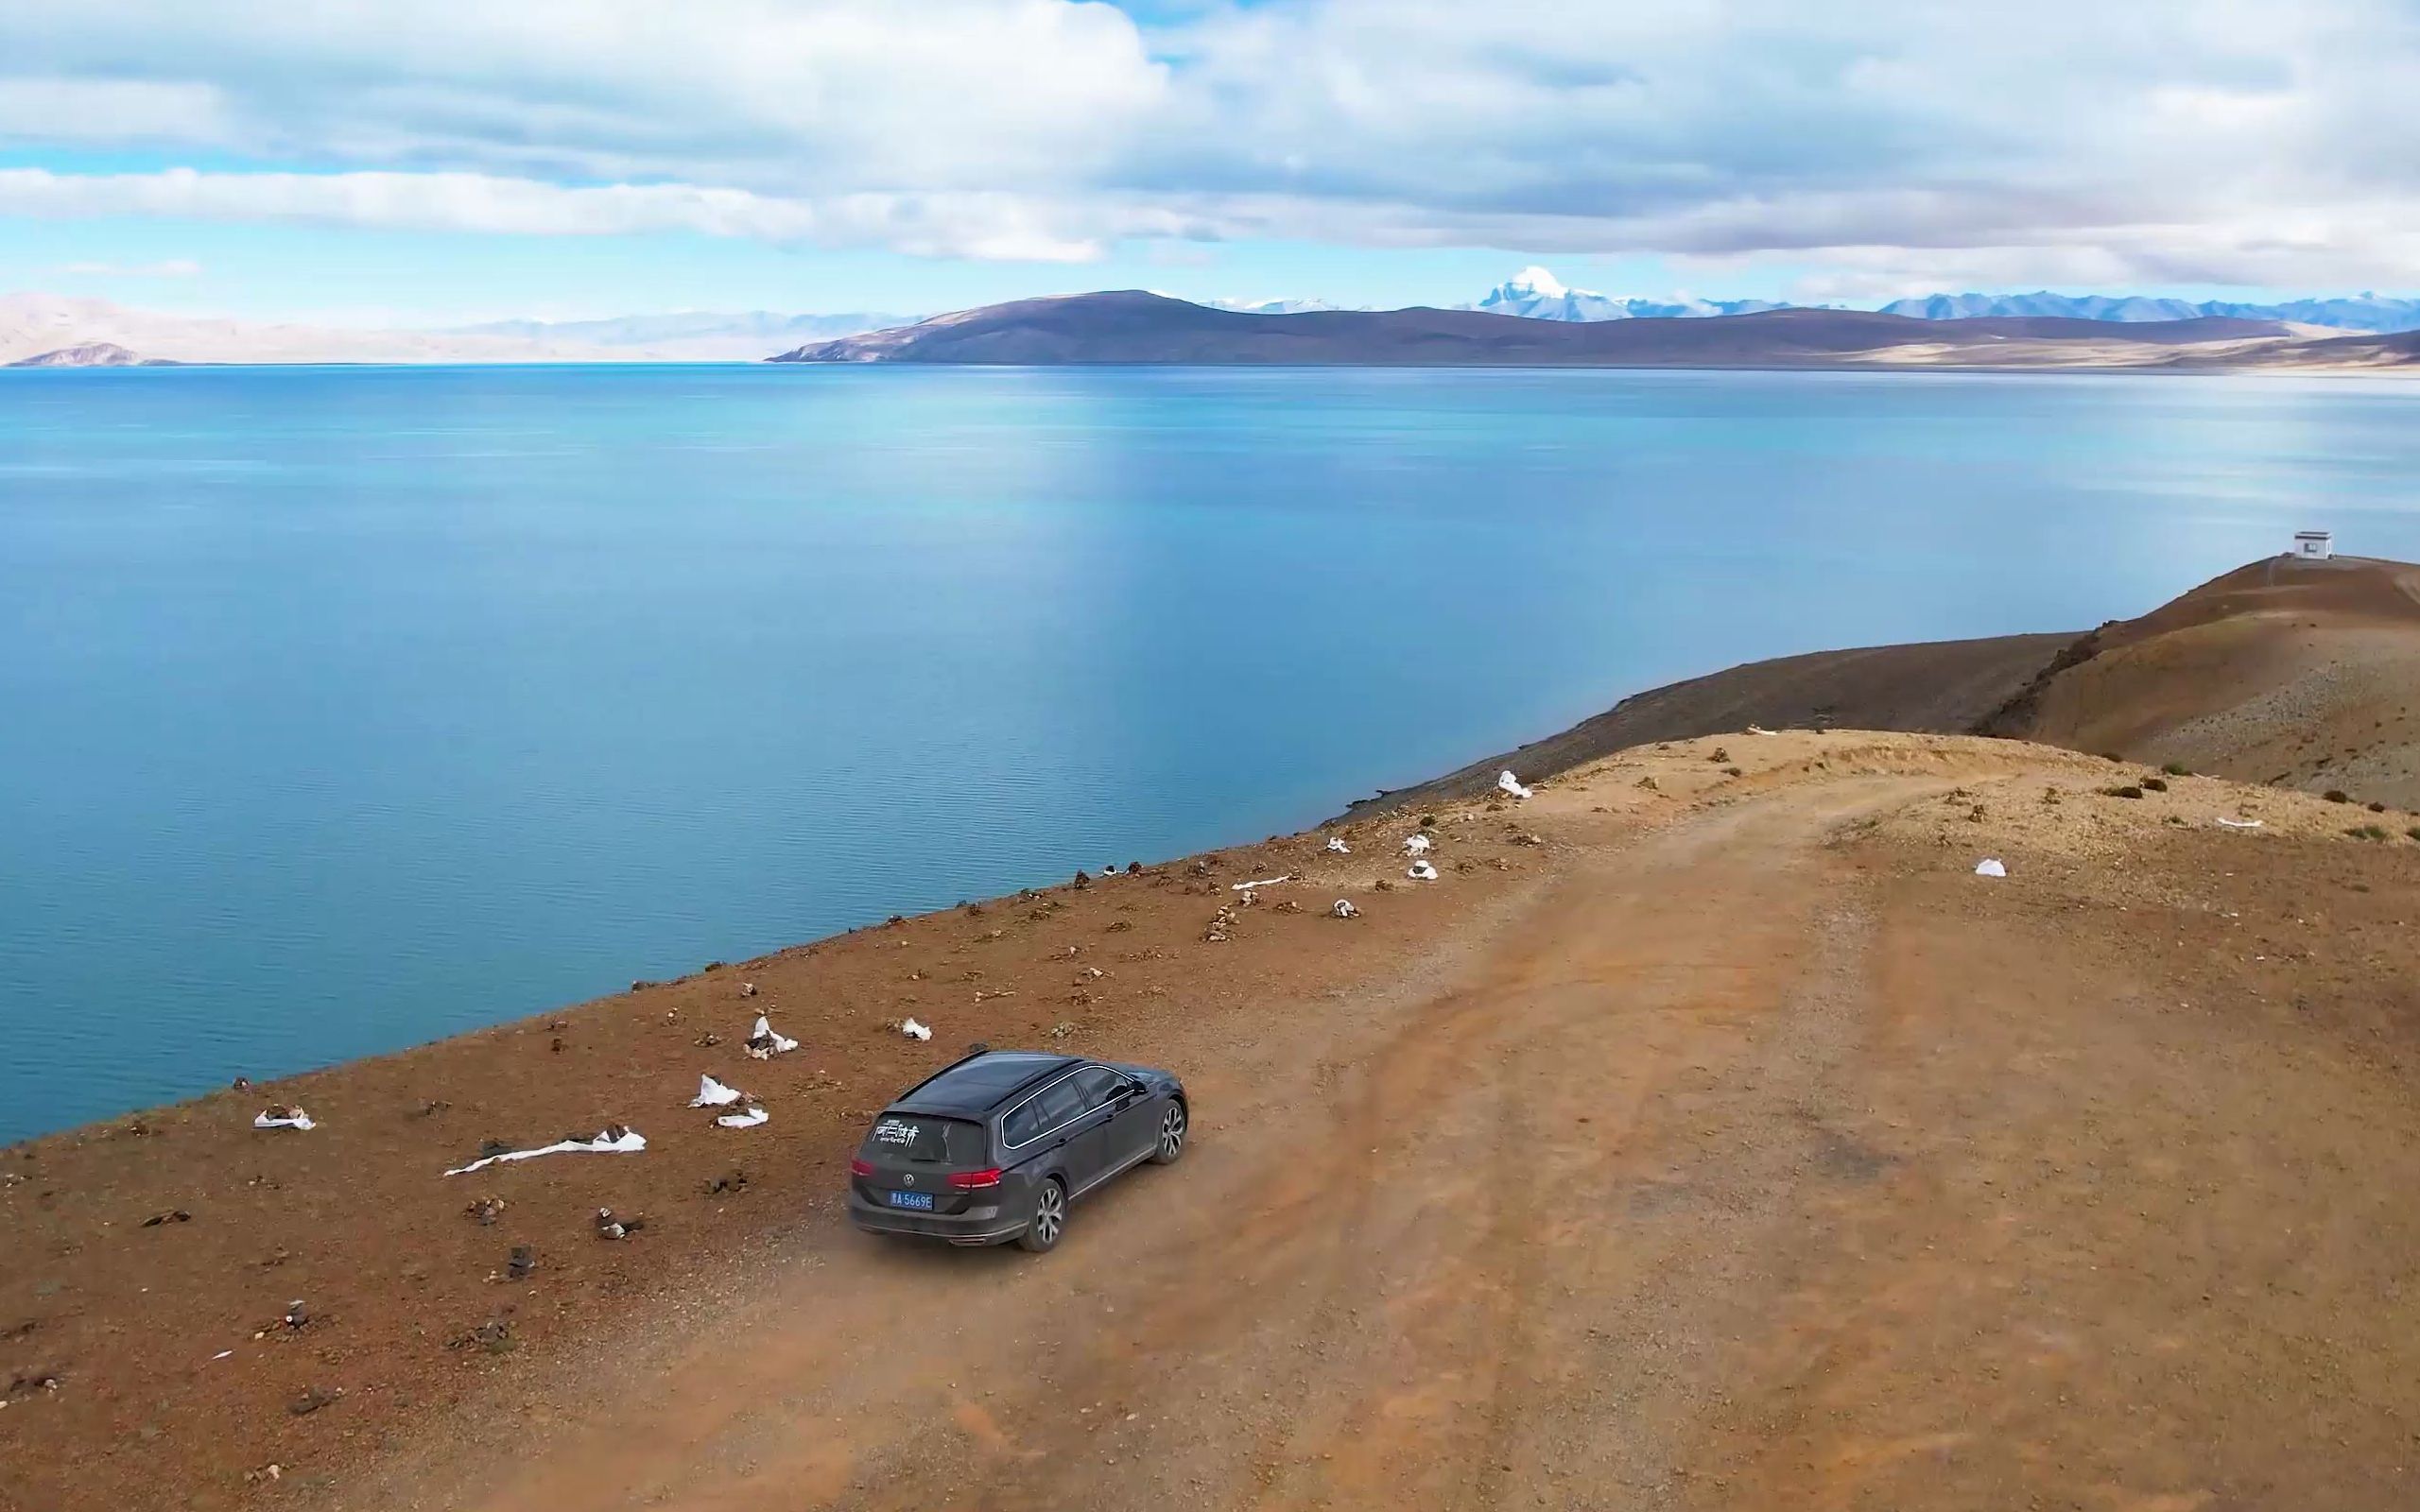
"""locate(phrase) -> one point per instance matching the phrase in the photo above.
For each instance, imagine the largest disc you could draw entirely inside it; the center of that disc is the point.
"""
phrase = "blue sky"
(439, 161)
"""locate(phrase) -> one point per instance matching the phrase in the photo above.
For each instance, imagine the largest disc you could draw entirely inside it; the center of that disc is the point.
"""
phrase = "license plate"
(921, 1201)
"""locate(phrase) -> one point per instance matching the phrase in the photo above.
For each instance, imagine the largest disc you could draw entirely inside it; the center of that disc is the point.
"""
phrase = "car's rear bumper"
(977, 1225)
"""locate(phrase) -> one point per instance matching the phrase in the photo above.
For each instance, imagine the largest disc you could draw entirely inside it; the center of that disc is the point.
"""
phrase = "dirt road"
(1768, 1158)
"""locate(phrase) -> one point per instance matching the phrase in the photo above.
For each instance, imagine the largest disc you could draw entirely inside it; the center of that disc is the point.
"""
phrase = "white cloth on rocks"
(1422, 871)
(1415, 843)
(1337, 847)
(914, 1030)
(711, 1093)
(2239, 824)
(267, 1120)
(1344, 909)
(629, 1143)
(764, 1044)
(1266, 882)
(1510, 785)
(746, 1118)
(1990, 867)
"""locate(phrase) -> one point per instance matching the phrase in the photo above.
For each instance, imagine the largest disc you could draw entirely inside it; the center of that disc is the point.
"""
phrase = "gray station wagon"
(1000, 1144)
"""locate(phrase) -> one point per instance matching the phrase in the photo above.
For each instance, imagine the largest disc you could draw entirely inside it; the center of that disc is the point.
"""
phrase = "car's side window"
(1058, 1103)
(1022, 1123)
(1096, 1083)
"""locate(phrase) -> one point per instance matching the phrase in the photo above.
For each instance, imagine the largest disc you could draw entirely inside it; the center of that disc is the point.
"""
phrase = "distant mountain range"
(1536, 294)
(1136, 327)
(91, 355)
(56, 329)
(2361, 312)
(45, 325)
(697, 335)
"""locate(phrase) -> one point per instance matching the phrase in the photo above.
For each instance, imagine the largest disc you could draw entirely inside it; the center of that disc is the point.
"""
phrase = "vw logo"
(909, 1178)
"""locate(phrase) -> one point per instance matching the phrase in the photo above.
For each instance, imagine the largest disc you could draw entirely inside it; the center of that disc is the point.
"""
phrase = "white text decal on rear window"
(894, 1131)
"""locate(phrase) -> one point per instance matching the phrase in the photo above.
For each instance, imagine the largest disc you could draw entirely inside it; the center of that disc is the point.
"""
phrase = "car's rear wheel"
(1172, 1132)
(1049, 1219)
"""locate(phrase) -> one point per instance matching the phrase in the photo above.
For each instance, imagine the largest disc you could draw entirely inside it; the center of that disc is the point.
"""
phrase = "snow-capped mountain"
(1274, 306)
(1535, 294)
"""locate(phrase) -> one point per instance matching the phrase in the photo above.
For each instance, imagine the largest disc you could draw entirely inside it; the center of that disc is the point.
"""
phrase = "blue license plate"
(921, 1201)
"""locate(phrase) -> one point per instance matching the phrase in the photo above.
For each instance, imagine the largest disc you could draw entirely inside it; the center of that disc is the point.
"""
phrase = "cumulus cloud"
(1892, 143)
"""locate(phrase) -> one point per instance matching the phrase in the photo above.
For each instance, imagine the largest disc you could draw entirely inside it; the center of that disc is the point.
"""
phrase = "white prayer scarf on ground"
(630, 1142)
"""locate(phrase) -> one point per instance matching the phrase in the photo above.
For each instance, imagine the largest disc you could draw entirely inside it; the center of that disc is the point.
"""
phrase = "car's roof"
(982, 1082)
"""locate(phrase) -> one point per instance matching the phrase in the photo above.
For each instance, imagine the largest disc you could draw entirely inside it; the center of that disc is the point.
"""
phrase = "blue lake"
(344, 708)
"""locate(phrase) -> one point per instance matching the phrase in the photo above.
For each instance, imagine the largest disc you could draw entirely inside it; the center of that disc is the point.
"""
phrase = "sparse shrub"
(2378, 808)
(2368, 832)
(1720, 754)
(1733, 771)
(2155, 785)
(1429, 821)
(2128, 791)
(2414, 832)
(2177, 769)
(2336, 795)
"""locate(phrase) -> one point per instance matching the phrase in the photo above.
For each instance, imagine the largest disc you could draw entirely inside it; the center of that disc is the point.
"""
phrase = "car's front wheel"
(1049, 1219)
(1172, 1132)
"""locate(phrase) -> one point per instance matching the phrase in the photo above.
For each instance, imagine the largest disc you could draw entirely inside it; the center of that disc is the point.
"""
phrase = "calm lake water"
(342, 709)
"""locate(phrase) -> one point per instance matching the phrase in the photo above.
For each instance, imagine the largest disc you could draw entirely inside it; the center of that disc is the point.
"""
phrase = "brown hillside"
(1941, 687)
(2297, 674)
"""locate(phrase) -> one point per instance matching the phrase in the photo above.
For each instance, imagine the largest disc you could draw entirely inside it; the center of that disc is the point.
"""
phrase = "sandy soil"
(1733, 1146)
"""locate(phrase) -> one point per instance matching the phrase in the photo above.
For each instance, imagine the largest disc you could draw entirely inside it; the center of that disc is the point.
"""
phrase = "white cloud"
(1894, 143)
(172, 268)
(945, 225)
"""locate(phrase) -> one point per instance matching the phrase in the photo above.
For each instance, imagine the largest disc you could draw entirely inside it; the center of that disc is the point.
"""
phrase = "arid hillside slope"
(1938, 687)
(2282, 672)
(2287, 672)
(1708, 1134)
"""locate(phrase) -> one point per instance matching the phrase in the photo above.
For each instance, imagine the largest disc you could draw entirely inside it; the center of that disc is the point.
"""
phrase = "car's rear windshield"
(926, 1140)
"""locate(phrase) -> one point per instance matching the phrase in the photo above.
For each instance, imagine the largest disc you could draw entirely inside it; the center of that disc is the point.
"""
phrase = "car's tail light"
(975, 1181)
(860, 1167)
